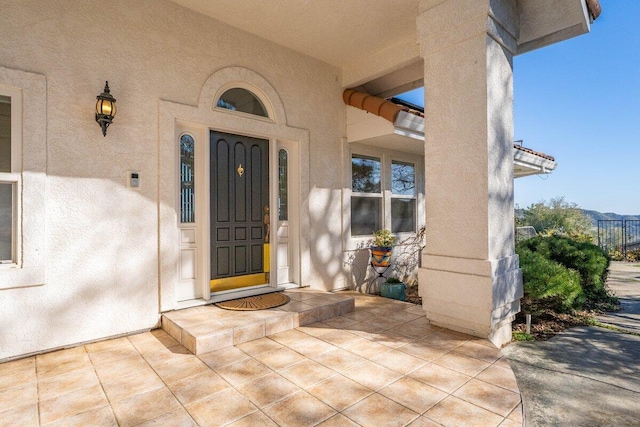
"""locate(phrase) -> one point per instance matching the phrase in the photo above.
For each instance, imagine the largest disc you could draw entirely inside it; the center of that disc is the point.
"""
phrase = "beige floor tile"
(109, 344)
(179, 418)
(137, 382)
(311, 347)
(113, 355)
(172, 372)
(487, 396)
(516, 414)
(339, 392)
(144, 407)
(376, 410)
(258, 346)
(423, 350)
(440, 377)
(17, 365)
(100, 417)
(173, 355)
(463, 364)
(62, 362)
(221, 408)
(341, 338)
(338, 420)
(455, 412)
(503, 362)
(301, 409)
(412, 331)
(443, 340)
(18, 396)
(256, 419)
(151, 345)
(60, 356)
(499, 376)
(365, 329)
(510, 423)
(66, 383)
(268, 389)
(339, 360)
(243, 372)
(368, 349)
(423, 422)
(360, 315)
(372, 375)
(197, 387)
(111, 371)
(316, 329)
(479, 351)
(280, 359)
(289, 337)
(307, 373)
(403, 316)
(249, 333)
(340, 322)
(18, 373)
(23, 415)
(392, 340)
(399, 361)
(70, 404)
(223, 357)
(413, 394)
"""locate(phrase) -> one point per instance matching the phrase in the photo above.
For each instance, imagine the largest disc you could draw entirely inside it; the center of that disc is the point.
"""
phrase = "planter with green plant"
(381, 248)
(393, 288)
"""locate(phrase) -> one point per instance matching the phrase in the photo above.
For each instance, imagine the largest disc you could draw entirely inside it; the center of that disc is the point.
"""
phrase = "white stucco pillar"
(470, 280)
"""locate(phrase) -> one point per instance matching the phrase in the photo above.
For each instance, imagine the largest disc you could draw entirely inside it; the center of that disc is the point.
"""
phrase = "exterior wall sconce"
(105, 109)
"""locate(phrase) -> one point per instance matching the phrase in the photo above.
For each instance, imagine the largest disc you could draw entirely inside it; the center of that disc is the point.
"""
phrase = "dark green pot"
(394, 290)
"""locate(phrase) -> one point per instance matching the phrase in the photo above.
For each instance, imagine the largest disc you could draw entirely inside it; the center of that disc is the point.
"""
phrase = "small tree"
(558, 217)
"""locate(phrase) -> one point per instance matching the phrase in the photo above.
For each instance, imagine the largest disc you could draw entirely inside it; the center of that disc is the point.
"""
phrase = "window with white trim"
(384, 192)
(9, 180)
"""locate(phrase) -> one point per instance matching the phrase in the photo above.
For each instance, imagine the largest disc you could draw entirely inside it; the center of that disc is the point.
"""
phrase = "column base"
(476, 297)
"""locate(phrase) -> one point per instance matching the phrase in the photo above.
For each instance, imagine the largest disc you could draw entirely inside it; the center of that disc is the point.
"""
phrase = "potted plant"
(381, 248)
(393, 288)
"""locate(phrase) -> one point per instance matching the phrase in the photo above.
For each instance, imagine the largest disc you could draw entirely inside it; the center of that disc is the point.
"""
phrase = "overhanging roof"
(374, 42)
(399, 125)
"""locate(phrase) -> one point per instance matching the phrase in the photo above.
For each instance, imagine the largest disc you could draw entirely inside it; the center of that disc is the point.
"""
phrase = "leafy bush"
(548, 282)
(587, 259)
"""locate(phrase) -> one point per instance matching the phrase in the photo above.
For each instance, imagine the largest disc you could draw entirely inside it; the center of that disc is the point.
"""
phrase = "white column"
(470, 280)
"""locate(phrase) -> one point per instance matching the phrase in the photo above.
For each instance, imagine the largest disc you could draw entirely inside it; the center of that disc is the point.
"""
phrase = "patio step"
(208, 328)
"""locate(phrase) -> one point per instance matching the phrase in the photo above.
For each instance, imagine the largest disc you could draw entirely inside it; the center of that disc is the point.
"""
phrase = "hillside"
(595, 216)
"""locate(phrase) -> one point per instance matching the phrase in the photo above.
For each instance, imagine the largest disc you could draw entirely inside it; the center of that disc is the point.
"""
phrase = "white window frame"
(28, 92)
(14, 176)
(386, 157)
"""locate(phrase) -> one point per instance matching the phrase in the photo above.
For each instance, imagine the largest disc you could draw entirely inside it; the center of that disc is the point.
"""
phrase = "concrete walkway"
(587, 376)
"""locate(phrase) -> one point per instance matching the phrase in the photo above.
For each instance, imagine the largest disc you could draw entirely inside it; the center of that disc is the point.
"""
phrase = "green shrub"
(587, 259)
(549, 282)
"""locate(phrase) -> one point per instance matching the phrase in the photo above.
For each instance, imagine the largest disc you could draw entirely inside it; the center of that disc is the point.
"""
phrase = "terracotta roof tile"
(535, 153)
(594, 8)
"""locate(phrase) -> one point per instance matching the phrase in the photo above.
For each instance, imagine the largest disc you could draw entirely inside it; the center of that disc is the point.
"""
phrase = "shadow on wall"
(405, 261)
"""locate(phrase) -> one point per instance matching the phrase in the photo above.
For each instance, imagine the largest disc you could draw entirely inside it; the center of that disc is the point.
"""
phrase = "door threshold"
(259, 290)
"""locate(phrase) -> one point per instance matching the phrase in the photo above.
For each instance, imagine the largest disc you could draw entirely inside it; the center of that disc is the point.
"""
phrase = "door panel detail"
(239, 192)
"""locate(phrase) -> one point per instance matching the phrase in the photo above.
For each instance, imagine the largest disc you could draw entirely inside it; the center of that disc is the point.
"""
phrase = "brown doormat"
(258, 302)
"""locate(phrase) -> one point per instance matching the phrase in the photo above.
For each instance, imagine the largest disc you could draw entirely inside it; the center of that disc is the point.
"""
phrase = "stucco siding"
(102, 261)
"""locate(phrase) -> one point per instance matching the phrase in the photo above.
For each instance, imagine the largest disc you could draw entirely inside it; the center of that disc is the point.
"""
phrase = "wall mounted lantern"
(105, 109)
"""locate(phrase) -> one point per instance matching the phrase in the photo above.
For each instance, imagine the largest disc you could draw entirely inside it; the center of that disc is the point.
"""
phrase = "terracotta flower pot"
(380, 255)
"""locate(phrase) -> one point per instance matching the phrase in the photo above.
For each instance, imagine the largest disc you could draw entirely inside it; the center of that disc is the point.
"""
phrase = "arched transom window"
(243, 100)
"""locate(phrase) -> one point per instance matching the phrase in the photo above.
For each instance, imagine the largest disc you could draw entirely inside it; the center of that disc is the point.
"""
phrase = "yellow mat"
(258, 302)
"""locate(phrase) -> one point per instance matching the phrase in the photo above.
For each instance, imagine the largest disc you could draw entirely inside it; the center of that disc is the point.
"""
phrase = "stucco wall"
(102, 239)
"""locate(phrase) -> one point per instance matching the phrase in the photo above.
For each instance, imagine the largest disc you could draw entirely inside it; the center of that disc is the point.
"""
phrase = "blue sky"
(579, 101)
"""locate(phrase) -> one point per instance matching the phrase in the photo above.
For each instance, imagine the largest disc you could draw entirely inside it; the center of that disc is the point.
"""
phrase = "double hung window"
(9, 180)
(384, 193)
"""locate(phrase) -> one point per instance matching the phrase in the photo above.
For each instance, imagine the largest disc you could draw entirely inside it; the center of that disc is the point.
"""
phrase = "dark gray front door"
(239, 209)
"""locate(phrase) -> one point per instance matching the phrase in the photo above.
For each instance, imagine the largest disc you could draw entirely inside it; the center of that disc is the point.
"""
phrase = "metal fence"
(619, 235)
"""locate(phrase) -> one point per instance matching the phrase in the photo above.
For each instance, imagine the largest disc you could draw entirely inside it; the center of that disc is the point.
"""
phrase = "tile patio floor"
(380, 365)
